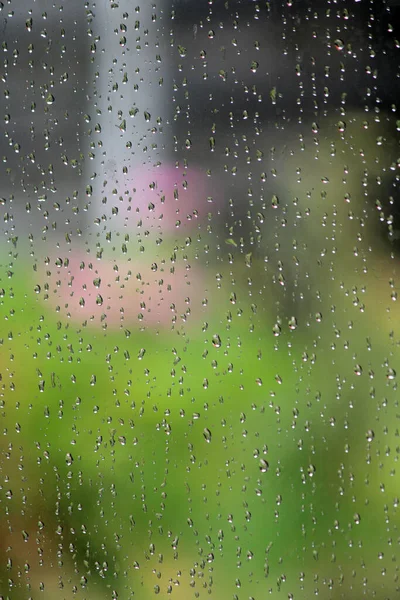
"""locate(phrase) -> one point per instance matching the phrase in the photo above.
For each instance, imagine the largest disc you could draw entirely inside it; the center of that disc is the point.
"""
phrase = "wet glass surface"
(199, 339)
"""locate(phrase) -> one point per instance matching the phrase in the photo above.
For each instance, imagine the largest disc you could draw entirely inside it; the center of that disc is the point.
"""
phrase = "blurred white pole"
(130, 97)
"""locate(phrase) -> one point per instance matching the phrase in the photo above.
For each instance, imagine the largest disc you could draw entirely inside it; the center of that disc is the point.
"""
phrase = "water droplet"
(207, 435)
(370, 435)
(216, 341)
(276, 330)
(391, 374)
(248, 259)
(182, 51)
(339, 44)
(254, 66)
(275, 201)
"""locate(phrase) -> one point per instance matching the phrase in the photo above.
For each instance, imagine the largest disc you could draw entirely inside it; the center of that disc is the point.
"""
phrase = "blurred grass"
(115, 449)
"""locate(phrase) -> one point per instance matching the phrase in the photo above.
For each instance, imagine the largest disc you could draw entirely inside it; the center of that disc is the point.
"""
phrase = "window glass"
(199, 339)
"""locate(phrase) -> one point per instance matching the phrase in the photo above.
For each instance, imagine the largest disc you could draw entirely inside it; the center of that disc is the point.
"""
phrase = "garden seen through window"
(199, 311)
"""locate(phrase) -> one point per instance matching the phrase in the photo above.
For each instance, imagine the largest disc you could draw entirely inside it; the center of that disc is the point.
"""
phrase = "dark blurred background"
(258, 74)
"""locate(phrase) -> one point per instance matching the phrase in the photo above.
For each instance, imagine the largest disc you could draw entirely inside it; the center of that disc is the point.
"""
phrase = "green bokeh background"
(135, 477)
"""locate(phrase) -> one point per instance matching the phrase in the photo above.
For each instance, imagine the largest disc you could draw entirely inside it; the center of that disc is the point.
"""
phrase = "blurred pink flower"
(105, 291)
(146, 290)
(162, 198)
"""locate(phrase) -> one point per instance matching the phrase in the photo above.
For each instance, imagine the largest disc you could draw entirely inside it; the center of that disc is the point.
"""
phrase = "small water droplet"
(216, 341)
(275, 201)
(391, 374)
(276, 330)
(207, 435)
(370, 435)
(311, 470)
(339, 44)
(254, 66)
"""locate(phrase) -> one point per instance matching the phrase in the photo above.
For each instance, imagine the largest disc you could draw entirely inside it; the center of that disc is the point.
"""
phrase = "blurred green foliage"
(234, 456)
